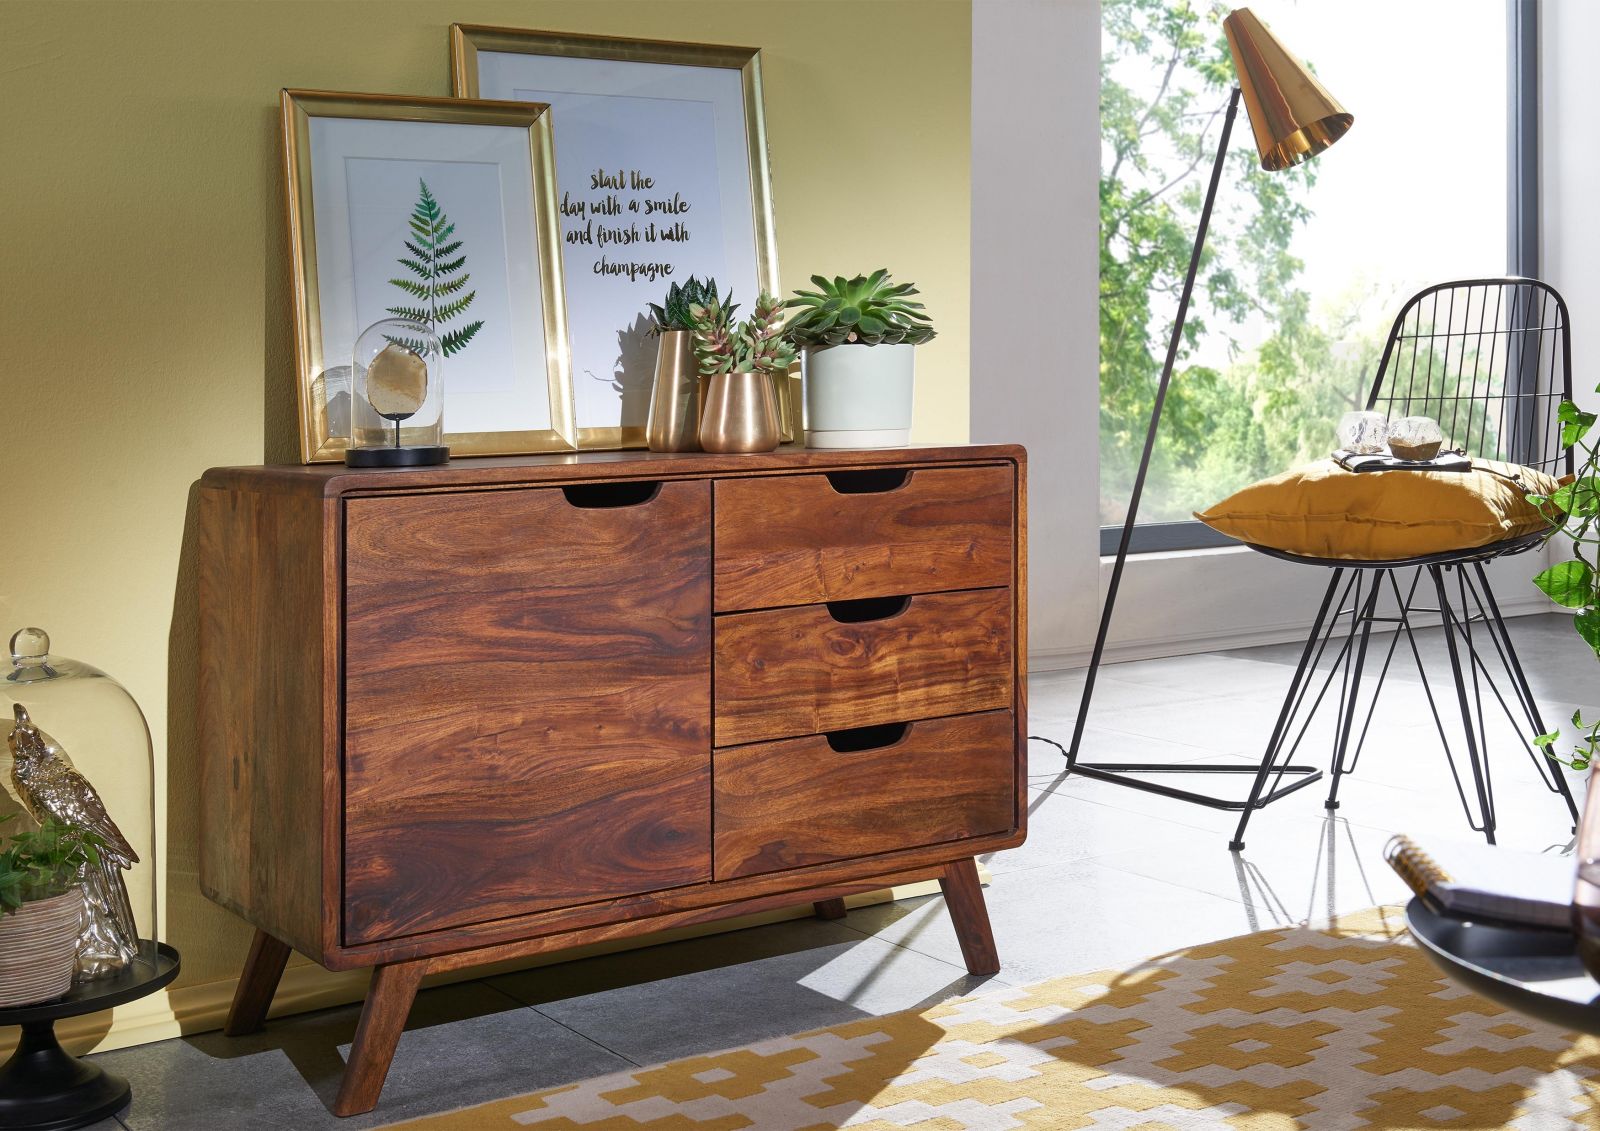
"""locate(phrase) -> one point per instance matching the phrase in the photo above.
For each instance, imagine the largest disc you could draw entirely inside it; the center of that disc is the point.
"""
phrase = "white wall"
(1569, 174)
(1035, 283)
(1035, 354)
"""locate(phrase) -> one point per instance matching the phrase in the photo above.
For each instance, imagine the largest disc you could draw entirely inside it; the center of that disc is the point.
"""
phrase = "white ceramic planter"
(39, 949)
(859, 396)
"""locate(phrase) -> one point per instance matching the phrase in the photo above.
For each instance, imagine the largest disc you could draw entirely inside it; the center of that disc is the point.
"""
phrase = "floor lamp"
(1293, 118)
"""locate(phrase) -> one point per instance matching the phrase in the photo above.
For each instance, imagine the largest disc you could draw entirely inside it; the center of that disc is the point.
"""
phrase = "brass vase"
(673, 424)
(741, 413)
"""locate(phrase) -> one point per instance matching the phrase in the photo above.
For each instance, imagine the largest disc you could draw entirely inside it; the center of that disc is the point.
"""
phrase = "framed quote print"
(661, 173)
(438, 210)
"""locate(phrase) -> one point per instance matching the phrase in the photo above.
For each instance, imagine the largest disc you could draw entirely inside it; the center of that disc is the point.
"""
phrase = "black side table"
(42, 1088)
(1535, 972)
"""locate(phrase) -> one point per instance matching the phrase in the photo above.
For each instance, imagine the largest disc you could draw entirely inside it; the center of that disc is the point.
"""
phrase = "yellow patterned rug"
(1343, 1027)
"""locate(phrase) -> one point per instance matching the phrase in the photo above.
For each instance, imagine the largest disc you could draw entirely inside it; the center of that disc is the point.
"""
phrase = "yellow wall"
(144, 318)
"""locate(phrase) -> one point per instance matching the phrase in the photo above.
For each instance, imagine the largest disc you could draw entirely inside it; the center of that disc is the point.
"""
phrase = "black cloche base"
(419, 456)
(42, 1087)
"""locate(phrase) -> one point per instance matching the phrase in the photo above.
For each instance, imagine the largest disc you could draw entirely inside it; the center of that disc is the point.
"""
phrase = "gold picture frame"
(470, 42)
(313, 366)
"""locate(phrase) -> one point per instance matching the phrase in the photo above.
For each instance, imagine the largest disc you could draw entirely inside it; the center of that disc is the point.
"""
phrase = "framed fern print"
(662, 173)
(441, 211)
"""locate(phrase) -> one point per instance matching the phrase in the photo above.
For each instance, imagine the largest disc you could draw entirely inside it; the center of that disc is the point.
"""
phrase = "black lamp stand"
(1118, 772)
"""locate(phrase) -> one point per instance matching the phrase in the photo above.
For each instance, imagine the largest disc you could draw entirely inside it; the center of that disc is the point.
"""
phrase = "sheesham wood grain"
(383, 1019)
(665, 920)
(631, 915)
(795, 671)
(334, 479)
(797, 540)
(787, 804)
(263, 681)
(963, 898)
(250, 661)
(527, 697)
(263, 969)
(1019, 621)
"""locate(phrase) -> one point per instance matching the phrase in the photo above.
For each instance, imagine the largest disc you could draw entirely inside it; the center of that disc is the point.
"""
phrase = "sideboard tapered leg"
(963, 895)
(263, 967)
(383, 1018)
(829, 908)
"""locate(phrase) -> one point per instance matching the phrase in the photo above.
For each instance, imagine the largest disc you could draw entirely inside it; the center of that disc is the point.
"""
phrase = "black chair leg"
(1280, 731)
(1485, 803)
(1341, 742)
(1524, 691)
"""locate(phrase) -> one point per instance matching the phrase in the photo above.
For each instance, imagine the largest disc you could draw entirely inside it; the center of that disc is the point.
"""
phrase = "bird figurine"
(43, 780)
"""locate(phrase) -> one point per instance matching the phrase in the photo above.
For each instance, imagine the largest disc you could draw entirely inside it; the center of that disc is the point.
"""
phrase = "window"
(1305, 269)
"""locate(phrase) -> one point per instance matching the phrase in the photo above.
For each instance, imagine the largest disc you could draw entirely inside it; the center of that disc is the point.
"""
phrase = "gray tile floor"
(1108, 876)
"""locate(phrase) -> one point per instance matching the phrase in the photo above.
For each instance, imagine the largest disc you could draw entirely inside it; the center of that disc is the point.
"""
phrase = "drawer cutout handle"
(599, 496)
(857, 739)
(875, 481)
(864, 609)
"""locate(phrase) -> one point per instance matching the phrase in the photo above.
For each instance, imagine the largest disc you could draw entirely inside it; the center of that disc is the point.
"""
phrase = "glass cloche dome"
(77, 749)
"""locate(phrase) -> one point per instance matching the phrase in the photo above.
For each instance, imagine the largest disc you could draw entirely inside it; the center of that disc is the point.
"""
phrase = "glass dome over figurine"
(78, 875)
(78, 753)
(396, 397)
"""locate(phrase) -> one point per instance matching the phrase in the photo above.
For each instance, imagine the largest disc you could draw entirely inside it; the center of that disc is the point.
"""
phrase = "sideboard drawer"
(804, 539)
(527, 683)
(780, 805)
(786, 672)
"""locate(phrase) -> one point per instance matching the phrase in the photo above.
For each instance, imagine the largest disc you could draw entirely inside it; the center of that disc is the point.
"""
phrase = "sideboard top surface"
(335, 479)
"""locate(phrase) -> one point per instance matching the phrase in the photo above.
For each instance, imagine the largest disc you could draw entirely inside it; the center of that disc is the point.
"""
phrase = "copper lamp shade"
(1291, 114)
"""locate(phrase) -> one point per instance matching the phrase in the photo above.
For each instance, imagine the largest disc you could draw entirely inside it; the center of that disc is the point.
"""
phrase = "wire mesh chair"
(1491, 361)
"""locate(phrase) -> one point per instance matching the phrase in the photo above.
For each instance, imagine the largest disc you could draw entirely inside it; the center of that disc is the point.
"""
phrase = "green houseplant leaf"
(45, 863)
(1575, 423)
(1573, 512)
(1568, 584)
(435, 276)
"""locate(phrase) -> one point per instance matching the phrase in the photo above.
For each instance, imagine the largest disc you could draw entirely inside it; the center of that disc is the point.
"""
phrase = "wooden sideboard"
(457, 715)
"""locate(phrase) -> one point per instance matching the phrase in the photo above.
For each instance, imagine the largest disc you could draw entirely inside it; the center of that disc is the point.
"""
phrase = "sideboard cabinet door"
(527, 687)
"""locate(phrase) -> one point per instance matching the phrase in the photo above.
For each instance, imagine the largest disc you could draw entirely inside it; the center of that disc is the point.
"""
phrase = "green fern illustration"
(435, 260)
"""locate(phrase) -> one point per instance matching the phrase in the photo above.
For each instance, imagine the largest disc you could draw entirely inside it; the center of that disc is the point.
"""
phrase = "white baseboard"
(1186, 644)
(306, 986)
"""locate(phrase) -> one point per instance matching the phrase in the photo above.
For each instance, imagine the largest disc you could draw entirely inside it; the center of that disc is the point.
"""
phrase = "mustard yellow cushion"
(1323, 511)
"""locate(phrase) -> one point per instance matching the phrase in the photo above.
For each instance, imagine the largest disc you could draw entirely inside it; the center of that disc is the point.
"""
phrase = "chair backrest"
(1490, 360)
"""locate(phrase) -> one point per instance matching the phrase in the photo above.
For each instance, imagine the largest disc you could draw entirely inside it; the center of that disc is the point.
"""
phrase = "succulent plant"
(868, 310)
(674, 312)
(755, 346)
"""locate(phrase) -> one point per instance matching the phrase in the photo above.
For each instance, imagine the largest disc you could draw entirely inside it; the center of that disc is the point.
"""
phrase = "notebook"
(1479, 881)
(1444, 461)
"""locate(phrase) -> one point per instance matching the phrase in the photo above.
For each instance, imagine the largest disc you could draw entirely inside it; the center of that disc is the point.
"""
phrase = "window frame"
(1522, 245)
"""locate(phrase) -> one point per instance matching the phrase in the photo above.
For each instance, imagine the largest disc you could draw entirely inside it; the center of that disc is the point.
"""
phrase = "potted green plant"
(859, 336)
(741, 364)
(41, 910)
(1573, 510)
(673, 422)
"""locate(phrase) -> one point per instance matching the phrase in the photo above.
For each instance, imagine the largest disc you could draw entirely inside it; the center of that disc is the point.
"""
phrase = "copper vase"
(673, 424)
(741, 413)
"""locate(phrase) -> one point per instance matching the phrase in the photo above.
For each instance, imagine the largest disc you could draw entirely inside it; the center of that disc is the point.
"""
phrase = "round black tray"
(42, 1088)
(1533, 971)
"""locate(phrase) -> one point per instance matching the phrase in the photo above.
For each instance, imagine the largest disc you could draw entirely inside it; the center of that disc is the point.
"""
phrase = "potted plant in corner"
(1573, 511)
(41, 911)
(740, 364)
(859, 336)
(673, 423)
